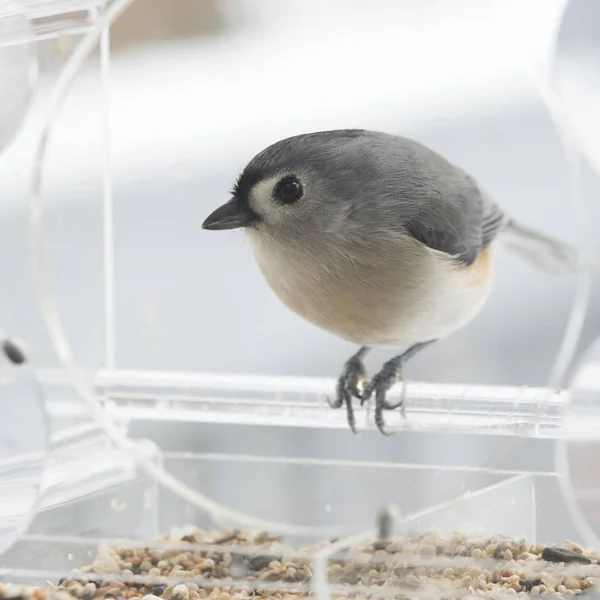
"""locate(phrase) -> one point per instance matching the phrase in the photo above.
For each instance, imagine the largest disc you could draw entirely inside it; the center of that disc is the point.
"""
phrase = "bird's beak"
(232, 215)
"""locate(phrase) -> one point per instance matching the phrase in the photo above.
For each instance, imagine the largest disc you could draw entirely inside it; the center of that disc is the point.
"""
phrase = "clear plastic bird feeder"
(155, 472)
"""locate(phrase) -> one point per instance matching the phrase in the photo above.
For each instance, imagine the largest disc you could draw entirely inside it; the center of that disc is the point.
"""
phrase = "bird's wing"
(443, 207)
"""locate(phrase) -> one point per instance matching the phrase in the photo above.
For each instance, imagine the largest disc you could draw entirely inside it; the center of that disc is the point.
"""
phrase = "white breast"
(406, 295)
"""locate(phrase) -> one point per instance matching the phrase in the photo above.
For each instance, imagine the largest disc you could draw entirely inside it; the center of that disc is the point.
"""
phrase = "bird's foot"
(381, 383)
(352, 375)
(385, 379)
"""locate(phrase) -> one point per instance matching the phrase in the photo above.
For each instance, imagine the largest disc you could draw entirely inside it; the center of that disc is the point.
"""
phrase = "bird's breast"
(405, 296)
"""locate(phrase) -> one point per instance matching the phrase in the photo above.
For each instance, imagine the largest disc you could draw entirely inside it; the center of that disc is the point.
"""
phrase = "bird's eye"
(288, 190)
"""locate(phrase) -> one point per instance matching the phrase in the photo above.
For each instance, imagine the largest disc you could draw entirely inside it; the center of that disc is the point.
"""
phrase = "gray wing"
(443, 207)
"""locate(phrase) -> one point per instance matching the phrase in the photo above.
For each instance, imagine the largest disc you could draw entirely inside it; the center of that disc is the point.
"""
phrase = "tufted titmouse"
(377, 239)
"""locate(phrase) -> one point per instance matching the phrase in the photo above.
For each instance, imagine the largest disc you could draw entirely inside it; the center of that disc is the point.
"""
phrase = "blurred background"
(197, 87)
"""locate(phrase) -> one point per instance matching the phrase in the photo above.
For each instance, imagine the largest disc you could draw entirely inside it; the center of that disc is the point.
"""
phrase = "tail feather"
(543, 251)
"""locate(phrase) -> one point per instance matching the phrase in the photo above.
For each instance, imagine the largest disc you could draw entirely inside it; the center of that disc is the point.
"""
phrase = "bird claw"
(381, 383)
(353, 373)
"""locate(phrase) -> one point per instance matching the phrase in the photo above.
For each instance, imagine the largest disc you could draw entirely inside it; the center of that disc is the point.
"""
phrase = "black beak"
(232, 215)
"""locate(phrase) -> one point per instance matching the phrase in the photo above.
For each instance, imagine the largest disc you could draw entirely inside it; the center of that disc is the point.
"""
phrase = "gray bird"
(377, 239)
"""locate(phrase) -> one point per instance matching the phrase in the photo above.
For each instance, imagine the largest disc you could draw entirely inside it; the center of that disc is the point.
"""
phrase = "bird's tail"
(545, 252)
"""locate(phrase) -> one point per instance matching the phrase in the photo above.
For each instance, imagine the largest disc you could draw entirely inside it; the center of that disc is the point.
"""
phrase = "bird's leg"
(347, 385)
(389, 374)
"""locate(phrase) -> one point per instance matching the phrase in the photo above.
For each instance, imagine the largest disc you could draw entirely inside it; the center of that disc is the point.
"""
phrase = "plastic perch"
(302, 402)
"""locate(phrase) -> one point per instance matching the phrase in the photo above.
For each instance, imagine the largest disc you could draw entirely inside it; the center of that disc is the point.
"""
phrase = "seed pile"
(238, 566)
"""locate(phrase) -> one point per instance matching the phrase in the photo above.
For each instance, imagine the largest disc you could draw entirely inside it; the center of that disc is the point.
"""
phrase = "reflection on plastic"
(579, 449)
(18, 71)
(506, 508)
(577, 74)
(24, 446)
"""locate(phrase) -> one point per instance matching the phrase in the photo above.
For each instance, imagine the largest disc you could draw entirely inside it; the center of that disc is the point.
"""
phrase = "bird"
(377, 239)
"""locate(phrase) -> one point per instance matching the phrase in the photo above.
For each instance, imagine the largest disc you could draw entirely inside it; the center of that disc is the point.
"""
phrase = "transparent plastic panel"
(481, 543)
(72, 232)
(577, 74)
(79, 462)
(24, 442)
(121, 539)
(343, 498)
(338, 497)
(579, 448)
(506, 508)
(83, 463)
(18, 70)
(92, 493)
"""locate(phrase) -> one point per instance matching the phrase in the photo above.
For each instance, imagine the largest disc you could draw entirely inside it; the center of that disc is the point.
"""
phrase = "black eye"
(288, 190)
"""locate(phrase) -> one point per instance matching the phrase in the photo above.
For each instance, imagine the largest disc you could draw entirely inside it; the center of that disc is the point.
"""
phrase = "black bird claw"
(347, 387)
(385, 379)
(354, 371)
(381, 383)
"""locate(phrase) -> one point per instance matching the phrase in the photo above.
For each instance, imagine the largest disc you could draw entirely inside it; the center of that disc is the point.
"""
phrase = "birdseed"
(238, 565)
